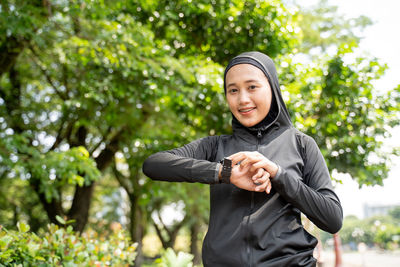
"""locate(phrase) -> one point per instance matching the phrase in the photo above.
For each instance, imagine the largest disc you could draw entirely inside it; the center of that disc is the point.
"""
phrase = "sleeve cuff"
(217, 168)
(278, 173)
(278, 180)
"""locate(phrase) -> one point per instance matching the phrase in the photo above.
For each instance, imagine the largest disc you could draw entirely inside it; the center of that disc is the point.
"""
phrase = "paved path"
(368, 259)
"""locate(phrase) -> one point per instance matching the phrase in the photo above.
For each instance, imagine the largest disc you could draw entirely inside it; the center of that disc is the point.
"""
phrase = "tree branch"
(123, 181)
(59, 137)
(163, 224)
(101, 141)
(48, 78)
(159, 234)
(105, 157)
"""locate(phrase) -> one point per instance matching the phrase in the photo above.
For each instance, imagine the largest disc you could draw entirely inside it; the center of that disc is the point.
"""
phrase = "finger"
(250, 160)
(265, 182)
(258, 165)
(262, 187)
(243, 163)
(231, 157)
(259, 174)
(238, 157)
(269, 187)
(263, 178)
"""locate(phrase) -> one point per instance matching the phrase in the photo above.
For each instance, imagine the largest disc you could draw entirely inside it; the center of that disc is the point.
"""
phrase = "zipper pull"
(259, 135)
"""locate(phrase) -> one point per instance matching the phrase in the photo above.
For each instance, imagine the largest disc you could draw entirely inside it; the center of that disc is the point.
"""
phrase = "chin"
(247, 123)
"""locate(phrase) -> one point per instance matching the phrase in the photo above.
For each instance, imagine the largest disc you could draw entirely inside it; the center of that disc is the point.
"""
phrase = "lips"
(246, 110)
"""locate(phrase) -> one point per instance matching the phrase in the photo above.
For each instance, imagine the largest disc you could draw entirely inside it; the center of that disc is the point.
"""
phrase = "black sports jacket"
(254, 228)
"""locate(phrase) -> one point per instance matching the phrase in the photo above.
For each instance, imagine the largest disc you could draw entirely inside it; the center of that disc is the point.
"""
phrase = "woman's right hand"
(249, 180)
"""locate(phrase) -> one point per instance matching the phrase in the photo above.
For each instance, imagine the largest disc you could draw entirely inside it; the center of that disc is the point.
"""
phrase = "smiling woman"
(261, 178)
(248, 94)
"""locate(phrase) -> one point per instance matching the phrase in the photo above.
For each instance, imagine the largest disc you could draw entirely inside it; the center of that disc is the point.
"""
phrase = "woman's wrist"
(273, 170)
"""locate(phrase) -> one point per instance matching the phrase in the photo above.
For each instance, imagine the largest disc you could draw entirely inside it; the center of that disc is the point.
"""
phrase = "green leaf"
(23, 227)
(40, 258)
(4, 241)
(60, 220)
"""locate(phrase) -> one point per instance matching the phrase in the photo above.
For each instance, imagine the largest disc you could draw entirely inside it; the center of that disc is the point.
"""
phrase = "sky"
(381, 40)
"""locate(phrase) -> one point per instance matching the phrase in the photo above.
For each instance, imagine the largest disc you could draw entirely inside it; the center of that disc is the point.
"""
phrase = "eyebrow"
(248, 81)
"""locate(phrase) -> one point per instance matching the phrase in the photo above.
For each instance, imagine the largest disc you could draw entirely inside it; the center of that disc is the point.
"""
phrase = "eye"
(252, 87)
(232, 90)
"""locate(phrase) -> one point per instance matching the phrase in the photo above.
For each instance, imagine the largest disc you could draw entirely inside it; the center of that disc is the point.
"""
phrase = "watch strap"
(226, 171)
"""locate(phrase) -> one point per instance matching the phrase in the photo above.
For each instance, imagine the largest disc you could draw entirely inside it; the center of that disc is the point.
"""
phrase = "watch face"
(227, 162)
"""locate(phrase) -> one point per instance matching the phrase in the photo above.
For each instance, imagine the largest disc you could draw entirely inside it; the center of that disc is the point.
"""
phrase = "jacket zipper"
(249, 251)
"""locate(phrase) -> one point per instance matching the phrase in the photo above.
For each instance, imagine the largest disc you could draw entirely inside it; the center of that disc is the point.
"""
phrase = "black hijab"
(266, 65)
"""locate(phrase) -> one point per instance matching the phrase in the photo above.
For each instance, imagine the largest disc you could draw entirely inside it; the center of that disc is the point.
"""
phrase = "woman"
(261, 178)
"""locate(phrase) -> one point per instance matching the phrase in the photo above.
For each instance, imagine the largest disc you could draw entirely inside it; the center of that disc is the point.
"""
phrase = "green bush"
(62, 247)
(388, 236)
(170, 259)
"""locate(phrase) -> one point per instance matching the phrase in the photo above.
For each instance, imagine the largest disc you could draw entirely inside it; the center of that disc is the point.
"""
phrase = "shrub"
(62, 247)
(170, 259)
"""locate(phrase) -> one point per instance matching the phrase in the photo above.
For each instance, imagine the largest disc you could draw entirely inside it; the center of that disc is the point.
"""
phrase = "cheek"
(264, 102)
(265, 97)
(231, 103)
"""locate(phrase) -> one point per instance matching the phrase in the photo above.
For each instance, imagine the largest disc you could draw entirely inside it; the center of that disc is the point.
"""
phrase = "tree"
(81, 81)
(395, 213)
(65, 97)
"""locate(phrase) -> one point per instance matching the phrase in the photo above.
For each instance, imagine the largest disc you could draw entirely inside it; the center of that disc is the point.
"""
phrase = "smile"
(246, 110)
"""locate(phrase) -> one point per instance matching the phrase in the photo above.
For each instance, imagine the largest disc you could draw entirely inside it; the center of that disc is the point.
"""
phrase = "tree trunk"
(80, 206)
(53, 207)
(194, 248)
(136, 228)
(338, 250)
(172, 233)
(83, 195)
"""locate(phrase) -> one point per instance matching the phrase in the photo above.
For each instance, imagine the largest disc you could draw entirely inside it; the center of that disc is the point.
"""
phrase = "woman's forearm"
(165, 166)
(321, 205)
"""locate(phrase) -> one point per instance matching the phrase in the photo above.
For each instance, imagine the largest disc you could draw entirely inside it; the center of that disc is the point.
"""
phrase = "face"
(248, 94)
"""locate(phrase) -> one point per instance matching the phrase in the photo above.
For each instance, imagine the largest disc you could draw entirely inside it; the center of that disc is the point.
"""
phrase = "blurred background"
(89, 89)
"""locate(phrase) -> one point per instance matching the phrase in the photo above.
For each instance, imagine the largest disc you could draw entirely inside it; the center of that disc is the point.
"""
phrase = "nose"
(244, 98)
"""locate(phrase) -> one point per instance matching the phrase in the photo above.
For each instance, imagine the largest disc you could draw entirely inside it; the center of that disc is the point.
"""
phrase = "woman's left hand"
(256, 160)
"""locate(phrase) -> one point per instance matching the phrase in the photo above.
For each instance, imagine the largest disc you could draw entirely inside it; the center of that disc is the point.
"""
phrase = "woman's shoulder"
(304, 140)
(212, 141)
(301, 134)
(216, 138)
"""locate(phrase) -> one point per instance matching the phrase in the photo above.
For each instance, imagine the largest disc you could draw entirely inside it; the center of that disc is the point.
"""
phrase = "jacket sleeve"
(314, 196)
(190, 163)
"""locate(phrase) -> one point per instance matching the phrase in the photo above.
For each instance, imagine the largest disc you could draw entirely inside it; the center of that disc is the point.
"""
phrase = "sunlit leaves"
(58, 246)
(143, 76)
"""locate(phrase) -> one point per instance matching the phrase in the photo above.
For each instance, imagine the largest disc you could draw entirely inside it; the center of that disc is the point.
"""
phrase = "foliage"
(219, 29)
(356, 230)
(19, 202)
(329, 88)
(346, 116)
(388, 236)
(82, 81)
(383, 231)
(59, 246)
(324, 28)
(395, 213)
(170, 259)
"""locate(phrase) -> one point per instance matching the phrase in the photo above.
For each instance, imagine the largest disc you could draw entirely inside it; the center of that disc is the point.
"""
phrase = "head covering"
(278, 112)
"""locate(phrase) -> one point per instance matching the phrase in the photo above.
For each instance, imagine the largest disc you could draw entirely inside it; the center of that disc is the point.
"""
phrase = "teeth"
(245, 110)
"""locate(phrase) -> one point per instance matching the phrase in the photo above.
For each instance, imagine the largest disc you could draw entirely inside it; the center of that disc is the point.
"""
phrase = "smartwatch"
(226, 171)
